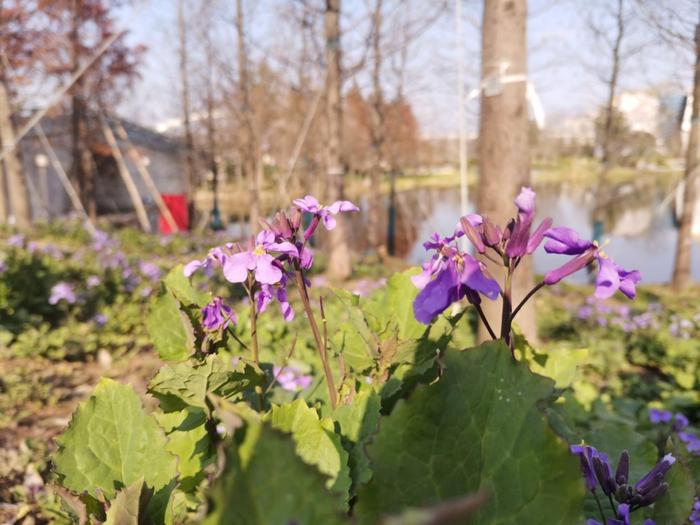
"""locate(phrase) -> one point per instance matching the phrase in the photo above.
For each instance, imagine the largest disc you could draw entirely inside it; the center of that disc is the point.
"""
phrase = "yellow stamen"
(259, 250)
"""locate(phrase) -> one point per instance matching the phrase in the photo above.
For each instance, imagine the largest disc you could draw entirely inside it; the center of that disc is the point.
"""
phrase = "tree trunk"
(374, 230)
(504, 153)
(190, 168)
(252, 164)
(16, 184)
(339, 264)
(681, 269)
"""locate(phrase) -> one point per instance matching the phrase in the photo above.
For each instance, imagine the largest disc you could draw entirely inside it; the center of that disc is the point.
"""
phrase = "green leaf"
(316, 441)
(189, 441)
(111, 443)
(126, 507)
(170, 329)
(185, 384)
(676, 505)
(358, 423)
(265, 482)
(393, 309)
(181, 287)
(478, 428)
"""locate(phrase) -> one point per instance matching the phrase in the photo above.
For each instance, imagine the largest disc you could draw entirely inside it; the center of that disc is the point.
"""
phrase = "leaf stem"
(482, 316)
(600, 507)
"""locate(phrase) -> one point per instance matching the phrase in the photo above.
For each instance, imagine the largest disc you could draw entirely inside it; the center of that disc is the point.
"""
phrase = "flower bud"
(472, 234)
(622, 473)
(492, 233)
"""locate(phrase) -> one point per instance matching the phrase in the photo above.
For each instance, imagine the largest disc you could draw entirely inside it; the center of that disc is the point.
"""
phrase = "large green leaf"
(393, 309)
(316, 441)
(185, 384)
(478, 428)
(358, 423)
(111, 443)
(266, 483)
(189, 441)
(170, 329)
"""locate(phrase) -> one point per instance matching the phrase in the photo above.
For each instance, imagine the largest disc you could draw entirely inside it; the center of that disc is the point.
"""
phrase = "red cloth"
(177, 204)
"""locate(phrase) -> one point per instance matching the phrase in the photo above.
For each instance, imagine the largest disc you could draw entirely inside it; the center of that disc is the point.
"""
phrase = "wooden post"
(125, 175)
(63, 177)
(146, 176)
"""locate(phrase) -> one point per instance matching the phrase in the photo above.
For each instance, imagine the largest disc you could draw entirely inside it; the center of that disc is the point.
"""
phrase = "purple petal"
(538, 235)
(339, 206)
(263, 297)
(518, 241)
(308, 203)
(569, 267)
(285, 307)
(437, 295)
(237, 266)
(265, 238)
(525, 202)
(473, 277)
(192, 266)
(608, 280)
(284, 247)
(565, 241)
(328, 221)
(266, 272)
(628, 281)
(657, 416)
(306, 257)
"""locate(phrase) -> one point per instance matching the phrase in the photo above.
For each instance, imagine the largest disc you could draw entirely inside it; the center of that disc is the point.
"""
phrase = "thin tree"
(339, 263)
(17, 44)
(504, 148)
(252, 163)
(376, 130)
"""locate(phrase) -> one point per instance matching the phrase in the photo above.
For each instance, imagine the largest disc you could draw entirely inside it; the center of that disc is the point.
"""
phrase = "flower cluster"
(451, 274)
(615, 485)
(678, 424)
(291, 379)
(265, 264)
(694, 517)
(599, 313)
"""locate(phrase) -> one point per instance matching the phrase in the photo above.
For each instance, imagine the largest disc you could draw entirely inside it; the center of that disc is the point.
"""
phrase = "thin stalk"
(507, 309)
(612, 504)
(284, 364)
(526, 299)
(320, 346)
(480, 311)
(253, 325)
(600, 507)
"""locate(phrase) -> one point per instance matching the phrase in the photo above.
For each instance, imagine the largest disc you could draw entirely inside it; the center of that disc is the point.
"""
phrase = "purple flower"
(216, 257)
(16, 241)
(569, 267)
(267, 269)
(586, 453)
(93, 281)
(679, 422)
(652, 480)
(278, 291)
(324, 213)
(451, 277)
(3, 266)
(62, 291)
(612, 277)
(100, 319)
(695, 514)
(291, 379)
(657, 416)
(692, 442)
(525, 201)
(149, 270)
(217, 315)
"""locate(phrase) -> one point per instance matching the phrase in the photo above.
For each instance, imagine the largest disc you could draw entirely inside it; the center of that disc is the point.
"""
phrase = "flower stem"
(253, 326)
(506, 312)
(480, 311)
(526, 299)
(320, 346)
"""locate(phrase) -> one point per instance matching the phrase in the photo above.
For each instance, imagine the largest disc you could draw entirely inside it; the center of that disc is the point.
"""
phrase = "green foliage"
(316, 442)
(170, 329)
(265, 482)
(112, 443)
(478, 428)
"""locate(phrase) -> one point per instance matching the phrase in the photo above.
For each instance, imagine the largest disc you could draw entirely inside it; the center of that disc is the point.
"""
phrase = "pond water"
(639, 224)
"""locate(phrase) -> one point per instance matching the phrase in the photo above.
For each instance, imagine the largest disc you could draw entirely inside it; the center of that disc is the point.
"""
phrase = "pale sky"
(565, 63)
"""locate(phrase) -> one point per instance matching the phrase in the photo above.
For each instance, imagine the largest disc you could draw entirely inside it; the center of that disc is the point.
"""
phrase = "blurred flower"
(100, 319)
(149, 270)
(291, 379)
(326, 214)
(93, 281)
(694, 517)
(62, 291)
(216, 315)
(659, 416)
(16, 241)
